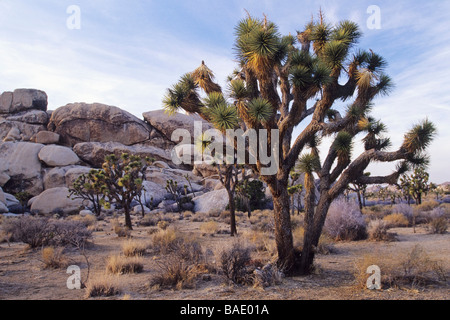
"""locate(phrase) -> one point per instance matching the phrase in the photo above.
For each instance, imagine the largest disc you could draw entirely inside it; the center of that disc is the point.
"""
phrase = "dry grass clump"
(428, 205)
(180, 268)
(224, 215)
(149, 220)
(234, 262)
(121, 231)
(375, 212)
(267, 276)
(164, 241)
(438, 220)
(438, 225)
(187, 214)
(133, 248)
(415, 268)
(53, 258)
(200, 217)
(396, 220)
(362, 264)
(88, 220)
(325, 245)
(122, 265)
(174, 274)
(102, 286)
(378, 231)
(163, 225)
(263, 241)
(210, 227)
(39, 232)
(418, 268)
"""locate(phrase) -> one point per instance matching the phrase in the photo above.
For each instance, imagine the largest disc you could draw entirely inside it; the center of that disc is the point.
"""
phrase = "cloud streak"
(127, 55)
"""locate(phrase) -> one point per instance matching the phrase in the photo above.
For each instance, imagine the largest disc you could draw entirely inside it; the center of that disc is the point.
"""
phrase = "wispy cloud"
(127, 54)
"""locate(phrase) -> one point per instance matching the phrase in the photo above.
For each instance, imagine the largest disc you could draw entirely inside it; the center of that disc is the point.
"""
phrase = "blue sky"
(128, 52)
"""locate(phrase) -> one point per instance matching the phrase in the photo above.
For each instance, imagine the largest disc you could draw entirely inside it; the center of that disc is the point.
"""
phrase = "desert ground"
(337, 275)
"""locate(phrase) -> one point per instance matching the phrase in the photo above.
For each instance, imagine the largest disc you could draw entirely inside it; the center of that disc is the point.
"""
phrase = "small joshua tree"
(90, 187)
(123, 179)
(415, 184)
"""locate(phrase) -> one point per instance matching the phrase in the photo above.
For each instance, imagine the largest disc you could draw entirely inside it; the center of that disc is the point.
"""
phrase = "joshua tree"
(228, 173)
(360, 190)
(286, 81)
(90, 187)
(415, 184)
(295, 189)
(123, 180)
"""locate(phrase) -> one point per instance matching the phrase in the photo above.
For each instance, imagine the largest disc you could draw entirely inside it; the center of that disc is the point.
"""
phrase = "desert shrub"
(438, 225)
(88, 220)
(268, 276)
(121, 231)
(418, 268)
(164, 241)
(163, 225)
(325, 245)
(345, 221)
(38, 232)
(149, 220)
(262, 241)
(70, 233)
(412, 269)
(53, 258)
(188, 250)
(233, 263)
(133, 248)
(187, 214)
(360, 269)
(200, 217)
(396, 220)
(174, 274)
(404, 209)
(378, 231)
(103, 286)
(224, 215)
(122, 265)
(428, 205)
(210, 227)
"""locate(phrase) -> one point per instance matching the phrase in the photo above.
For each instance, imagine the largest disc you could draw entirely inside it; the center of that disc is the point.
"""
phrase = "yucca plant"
(283, 82)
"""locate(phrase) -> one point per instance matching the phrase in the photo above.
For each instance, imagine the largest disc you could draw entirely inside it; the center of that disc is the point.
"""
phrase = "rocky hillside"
(42, 152)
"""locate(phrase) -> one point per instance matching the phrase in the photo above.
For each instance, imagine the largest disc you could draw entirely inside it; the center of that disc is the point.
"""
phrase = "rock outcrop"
(56, 201)
(214, 201)
(43, 153)
(81, 122)
(58, 156)
(21, 163)
(22, 114)
(167, 124)
(94, 153)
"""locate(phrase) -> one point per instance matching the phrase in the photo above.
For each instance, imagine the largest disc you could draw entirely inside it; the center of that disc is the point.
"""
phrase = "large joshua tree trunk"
(307, 256)
(283, 232)
(314, 222)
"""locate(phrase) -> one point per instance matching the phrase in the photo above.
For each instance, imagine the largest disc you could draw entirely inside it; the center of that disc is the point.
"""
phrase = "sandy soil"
(22, 275)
